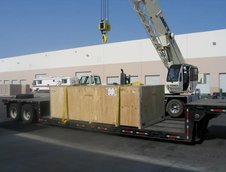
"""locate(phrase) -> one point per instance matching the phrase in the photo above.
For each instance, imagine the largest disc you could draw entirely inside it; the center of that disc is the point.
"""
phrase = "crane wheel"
(175, 108)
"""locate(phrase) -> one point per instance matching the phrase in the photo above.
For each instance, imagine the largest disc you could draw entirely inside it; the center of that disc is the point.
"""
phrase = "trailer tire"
(27, 113)
(14, 111)
(175, 108)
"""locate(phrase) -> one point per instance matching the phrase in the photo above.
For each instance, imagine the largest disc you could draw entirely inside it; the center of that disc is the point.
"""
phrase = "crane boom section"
(158, 31)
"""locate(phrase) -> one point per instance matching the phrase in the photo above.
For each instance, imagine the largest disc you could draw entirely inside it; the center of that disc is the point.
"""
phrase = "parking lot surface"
(40, 147)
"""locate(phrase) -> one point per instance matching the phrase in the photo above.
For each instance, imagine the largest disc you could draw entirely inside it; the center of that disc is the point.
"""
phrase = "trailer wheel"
(175, 108)
(14, 111)
(27, 113)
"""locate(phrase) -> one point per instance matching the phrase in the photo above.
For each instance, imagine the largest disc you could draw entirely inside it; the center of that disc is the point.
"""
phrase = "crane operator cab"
(182, 78)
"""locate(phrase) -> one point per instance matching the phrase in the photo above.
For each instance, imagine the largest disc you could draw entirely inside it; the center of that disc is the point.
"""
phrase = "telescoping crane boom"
(181, 77)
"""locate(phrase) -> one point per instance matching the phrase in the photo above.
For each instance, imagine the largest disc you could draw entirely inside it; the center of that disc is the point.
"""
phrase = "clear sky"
(33, 26)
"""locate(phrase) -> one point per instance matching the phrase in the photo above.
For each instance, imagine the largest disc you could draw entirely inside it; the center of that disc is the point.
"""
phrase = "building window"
(113, 80)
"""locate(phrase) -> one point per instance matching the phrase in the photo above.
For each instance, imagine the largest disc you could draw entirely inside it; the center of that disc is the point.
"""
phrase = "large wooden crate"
(141, 106)
(99, 104)
(58, 102)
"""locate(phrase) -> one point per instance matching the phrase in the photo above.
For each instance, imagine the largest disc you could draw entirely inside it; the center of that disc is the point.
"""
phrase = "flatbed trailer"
(27, 107)
(191, 128)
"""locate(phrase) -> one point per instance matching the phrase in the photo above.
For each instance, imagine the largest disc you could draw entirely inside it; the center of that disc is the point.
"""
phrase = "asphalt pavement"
(40, 147)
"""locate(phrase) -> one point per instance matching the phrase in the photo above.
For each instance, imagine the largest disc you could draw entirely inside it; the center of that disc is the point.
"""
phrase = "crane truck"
(181, 78)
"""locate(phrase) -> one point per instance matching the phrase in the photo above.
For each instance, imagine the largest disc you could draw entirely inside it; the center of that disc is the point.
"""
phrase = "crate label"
(111, 92)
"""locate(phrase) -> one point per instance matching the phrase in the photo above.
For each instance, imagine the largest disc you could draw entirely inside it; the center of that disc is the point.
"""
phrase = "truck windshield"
(34, 82)
(173, 73)
(84, 80)
(97, 80)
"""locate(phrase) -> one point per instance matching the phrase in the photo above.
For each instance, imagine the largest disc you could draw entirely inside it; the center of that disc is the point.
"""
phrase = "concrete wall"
(139, 58)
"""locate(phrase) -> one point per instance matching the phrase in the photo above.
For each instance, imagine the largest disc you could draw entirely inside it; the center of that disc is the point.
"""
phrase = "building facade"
(137, 57)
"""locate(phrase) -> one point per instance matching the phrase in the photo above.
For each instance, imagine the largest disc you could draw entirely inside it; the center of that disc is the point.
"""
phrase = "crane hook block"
(104, 38)
(104, 26)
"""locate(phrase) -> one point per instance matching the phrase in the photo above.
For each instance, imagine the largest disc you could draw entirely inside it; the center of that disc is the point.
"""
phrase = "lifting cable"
(104, 10)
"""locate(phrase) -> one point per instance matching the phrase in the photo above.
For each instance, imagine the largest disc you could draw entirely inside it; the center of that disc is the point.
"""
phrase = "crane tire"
(175, 108)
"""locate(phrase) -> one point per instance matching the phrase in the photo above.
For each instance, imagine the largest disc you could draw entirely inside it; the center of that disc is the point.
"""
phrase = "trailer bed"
(209, 103)
(34, 99)
(174, 126)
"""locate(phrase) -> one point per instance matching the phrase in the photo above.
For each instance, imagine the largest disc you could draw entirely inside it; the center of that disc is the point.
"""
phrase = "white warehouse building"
(207, 50)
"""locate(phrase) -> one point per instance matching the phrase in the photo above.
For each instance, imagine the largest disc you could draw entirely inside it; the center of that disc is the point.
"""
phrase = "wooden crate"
(141, 106)
(58, 102)
(99, 104)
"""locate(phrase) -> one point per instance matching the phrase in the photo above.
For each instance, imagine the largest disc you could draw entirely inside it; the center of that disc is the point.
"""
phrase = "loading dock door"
(223, 81)
(152, 80)
(204, 86)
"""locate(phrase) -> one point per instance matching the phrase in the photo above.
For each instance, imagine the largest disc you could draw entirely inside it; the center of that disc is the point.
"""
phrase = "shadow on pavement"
(216, 131)
(21, 127)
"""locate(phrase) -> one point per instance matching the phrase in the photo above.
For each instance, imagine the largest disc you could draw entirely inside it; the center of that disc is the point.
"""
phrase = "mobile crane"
(181, 77)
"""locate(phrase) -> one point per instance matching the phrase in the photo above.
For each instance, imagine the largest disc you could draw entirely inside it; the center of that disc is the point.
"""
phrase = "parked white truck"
(43, 84)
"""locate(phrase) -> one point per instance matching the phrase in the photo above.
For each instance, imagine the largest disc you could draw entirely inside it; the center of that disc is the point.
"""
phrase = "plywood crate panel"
(109, 105)
(141, 106)
(58, 102)
(81, 103)
(99, 104)
(130, 106)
